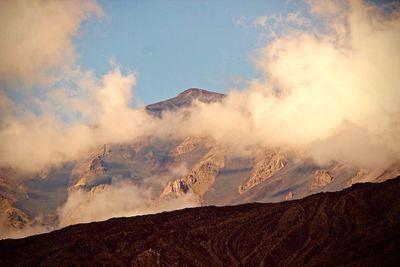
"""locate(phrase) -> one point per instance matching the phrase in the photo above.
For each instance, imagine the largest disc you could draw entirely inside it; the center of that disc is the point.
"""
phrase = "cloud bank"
(32, 141)
(116, 200)
(37, 37)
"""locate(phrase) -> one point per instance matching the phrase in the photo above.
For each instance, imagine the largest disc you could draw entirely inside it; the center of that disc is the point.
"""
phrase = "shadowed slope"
(359, 226)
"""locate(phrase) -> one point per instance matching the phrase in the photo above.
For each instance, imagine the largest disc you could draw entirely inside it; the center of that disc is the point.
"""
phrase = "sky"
(175, 45)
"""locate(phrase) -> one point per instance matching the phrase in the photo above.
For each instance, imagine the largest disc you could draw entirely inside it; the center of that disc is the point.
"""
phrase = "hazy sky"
(174, 45)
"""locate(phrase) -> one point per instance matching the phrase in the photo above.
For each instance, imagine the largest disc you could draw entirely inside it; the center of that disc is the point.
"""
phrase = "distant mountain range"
(359, 226)
(175, 168)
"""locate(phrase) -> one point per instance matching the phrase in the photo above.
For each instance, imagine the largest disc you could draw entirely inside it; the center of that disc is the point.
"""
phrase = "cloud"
(276, 25)
(296, 18)
(33, 141)
(37, 37)
(261, 21)
(119, 199)
(291, 19)
(239, 20)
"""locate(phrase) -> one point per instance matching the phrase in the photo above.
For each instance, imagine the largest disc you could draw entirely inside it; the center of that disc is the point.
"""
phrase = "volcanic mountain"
(359, 226)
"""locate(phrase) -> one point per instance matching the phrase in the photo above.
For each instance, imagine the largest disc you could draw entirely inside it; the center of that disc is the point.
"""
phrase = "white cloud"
(239, 20)
(37, 36)
(121, 199)
(261, 21)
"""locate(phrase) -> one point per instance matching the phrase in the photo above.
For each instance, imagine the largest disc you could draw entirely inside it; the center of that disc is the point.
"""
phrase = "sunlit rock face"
(200, 177)
(289, 196)
(175, 188)
(189, 144)
(88, 169)
(270, 163)
(321, 179)
(11, 217)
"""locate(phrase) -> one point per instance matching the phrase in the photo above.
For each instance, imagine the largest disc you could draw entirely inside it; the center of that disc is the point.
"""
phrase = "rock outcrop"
(267, 165)
(289, 196)
(175, 188)
(321, 179)
(200, 178)
(89, 168)
(10, 216)
(189, 144)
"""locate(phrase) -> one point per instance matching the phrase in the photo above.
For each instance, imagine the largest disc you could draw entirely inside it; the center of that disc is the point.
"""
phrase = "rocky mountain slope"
(358, 226)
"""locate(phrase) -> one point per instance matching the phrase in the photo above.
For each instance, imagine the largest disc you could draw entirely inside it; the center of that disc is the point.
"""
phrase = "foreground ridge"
(358, 226)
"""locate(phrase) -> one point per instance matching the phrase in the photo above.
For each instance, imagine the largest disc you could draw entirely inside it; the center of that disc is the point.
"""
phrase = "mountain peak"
(194, 92)
(184, 99)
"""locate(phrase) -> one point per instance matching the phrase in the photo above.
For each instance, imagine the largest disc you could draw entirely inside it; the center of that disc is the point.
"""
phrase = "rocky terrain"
(200, 178)
(10, 191)
(168, 169)
(86, 170)
(270, 163)
(358, 226)
(321, 179)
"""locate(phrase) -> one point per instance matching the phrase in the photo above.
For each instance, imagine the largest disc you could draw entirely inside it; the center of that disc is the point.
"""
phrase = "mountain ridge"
(358, 226)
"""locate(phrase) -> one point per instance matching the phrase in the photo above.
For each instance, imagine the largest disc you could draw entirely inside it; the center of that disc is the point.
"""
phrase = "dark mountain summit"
(359, 226)
(184, 99)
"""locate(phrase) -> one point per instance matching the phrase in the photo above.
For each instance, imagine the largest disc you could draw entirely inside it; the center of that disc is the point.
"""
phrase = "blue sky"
(175, 45)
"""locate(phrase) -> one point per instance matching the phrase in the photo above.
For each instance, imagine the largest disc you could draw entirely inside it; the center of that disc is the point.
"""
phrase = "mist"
(121, 199)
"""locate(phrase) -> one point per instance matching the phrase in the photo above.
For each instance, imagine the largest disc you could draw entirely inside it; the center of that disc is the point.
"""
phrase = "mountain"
(358, 226)
(169, 171)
